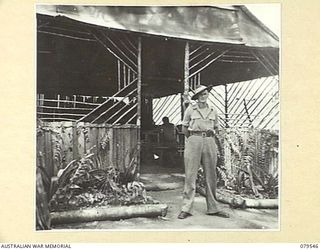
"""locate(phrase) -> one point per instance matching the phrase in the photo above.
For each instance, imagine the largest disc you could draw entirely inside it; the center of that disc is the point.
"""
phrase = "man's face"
(203, 96)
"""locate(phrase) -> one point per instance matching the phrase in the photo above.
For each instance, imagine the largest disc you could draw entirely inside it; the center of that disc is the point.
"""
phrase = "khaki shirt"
(197, 119)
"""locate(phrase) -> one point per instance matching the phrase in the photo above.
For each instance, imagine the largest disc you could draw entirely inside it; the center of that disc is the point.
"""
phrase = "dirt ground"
(169, 183)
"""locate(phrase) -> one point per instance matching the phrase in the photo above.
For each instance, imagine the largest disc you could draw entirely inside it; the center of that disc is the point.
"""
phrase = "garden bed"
(86, 191)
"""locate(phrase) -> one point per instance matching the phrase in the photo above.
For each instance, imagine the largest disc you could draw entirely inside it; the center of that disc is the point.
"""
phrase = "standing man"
(199, 124)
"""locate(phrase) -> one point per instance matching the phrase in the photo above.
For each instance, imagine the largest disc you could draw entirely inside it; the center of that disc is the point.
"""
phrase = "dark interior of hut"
(67, 68)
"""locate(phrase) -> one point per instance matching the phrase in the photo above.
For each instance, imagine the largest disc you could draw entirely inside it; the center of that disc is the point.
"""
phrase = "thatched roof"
(234, 24)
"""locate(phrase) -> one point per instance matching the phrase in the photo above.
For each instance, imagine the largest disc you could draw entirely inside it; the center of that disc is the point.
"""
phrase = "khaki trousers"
(200, 150)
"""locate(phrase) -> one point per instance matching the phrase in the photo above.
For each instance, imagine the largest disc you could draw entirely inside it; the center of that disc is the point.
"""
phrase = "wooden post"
(139, 104)
(226, 105)
(186, 77)
(139, 83)
(58, 101)
(182, 106)
(124, 75)
(74, 100)
(129, 73)
(119, 75)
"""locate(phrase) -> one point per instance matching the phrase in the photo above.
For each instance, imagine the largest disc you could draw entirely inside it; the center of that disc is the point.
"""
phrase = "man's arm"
(186, 121)
(215, 128)
(216, 124)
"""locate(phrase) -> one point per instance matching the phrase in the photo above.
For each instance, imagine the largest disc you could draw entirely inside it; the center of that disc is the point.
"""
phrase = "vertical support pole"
(124, 75)
(195, 82)
(58, 101)
(186, 78)
(139, 105)
(182, 106)
(226, 105)
(129, 73)
(74, 101)
(191, 82)
(119, 75)
(139, 84)
(42, 99)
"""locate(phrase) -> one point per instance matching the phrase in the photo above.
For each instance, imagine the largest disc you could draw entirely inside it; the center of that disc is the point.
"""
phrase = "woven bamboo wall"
(169, 106)
(252, 103)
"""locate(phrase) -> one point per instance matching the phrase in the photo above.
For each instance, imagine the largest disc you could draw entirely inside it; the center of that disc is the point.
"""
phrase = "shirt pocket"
(212, 116)
(195, 121)
(212, 119)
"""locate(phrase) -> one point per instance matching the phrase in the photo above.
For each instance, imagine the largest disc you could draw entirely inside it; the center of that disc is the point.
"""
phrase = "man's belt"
(202, 133)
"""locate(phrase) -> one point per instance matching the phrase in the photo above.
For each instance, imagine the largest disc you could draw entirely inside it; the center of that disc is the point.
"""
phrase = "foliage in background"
(82, 184)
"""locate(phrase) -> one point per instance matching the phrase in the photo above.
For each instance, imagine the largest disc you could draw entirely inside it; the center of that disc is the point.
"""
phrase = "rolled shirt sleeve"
(187, 117)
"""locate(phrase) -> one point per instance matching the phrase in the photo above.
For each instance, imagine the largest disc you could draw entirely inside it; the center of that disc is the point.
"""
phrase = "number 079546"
(309, 246)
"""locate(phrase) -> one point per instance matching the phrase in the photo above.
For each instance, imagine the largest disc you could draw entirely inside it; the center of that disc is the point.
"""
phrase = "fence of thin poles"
(253, 103)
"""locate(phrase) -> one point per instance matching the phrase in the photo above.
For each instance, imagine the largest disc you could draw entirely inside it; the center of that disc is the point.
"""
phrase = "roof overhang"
(82, 66)
(218, 24)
